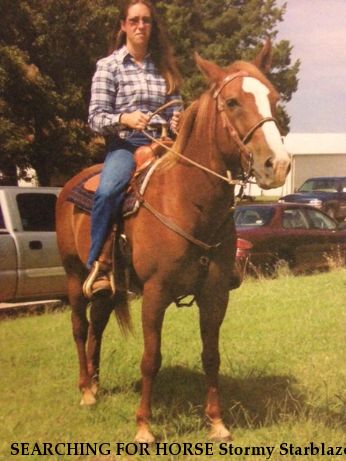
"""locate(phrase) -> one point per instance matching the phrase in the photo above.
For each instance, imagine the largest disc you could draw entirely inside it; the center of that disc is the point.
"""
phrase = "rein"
(227, 178)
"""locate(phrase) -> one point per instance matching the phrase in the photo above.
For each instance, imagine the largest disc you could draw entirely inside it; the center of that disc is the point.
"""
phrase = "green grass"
(282, 375)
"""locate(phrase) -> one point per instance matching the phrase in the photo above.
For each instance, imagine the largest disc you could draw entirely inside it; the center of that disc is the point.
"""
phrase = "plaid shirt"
(119, 85)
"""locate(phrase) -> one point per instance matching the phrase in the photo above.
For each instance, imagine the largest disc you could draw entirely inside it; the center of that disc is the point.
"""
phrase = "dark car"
(325, 193)
(305, 237)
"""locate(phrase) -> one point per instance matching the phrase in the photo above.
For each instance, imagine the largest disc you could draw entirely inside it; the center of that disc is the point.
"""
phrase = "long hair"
(159, 47)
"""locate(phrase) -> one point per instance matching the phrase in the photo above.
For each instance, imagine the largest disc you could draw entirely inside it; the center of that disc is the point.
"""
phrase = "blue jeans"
(117, 170)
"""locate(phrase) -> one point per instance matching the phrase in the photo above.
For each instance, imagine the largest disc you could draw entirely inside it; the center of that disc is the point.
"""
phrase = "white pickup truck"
(30, 264)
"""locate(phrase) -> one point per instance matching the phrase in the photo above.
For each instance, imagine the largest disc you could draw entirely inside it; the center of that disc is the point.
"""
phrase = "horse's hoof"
(219, 433)
(88, 398)
(144, 435)
(95, 388)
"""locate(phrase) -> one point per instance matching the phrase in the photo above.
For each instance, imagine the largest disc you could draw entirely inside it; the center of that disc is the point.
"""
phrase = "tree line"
(48, 52)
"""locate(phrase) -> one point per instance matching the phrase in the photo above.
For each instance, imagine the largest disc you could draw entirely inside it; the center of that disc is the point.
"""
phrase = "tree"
(47, 55)
(48, 51)
(226, 30)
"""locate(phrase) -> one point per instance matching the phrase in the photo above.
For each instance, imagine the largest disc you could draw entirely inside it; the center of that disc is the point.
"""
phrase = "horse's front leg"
(212, 307)
(153, 311)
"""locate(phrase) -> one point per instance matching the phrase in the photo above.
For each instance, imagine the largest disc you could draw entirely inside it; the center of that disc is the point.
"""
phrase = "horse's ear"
(209, 69)
(264, 58)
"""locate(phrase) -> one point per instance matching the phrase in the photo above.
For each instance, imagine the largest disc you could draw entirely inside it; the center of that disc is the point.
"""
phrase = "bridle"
(246, 159)
(246, 156)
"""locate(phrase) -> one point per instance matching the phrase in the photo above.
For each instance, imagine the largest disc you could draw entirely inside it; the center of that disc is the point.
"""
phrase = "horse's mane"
(196, 116)
(186, 123)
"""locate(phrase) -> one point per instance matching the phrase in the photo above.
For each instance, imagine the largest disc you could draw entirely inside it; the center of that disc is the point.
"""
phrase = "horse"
(182, 238)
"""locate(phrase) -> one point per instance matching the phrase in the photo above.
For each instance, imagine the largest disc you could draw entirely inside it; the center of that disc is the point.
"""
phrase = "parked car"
(300, 234)
(325, 193)
(241, 262)
(30, 264)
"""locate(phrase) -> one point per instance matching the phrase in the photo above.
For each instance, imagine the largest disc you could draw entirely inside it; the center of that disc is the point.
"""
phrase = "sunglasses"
(147, 20)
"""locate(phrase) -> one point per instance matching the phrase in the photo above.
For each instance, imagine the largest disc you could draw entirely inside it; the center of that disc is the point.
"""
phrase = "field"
(282, 377)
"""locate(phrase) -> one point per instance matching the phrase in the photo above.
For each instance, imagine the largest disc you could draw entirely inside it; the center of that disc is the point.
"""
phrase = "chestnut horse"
(230, 125)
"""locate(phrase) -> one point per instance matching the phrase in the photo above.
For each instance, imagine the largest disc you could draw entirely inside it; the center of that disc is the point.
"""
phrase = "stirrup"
(89, 290)
(87, 285)
(112, 282)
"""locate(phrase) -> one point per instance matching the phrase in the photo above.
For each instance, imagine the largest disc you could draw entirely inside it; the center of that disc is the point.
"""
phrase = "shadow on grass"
(250, 402)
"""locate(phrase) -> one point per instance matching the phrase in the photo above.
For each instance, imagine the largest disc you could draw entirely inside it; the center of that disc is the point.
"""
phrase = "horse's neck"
(187, 186)
(202, 148)
(203, 189)
(202, 144)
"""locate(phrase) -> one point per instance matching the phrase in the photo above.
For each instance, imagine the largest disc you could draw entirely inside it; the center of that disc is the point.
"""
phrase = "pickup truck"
(30, 264)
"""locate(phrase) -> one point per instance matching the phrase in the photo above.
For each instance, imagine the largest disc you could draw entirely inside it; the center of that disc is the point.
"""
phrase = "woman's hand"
(175, 121)
(136, 120)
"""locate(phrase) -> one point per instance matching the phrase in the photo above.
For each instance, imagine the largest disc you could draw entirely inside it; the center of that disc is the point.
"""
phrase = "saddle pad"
(83, 197)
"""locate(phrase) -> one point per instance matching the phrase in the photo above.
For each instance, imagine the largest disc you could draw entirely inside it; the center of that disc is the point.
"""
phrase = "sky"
(317, 31)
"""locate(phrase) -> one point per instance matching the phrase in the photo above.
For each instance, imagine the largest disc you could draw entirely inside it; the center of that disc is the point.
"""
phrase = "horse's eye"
(232, 103)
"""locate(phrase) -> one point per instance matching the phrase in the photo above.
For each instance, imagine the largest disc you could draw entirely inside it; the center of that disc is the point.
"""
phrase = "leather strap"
(174, 227)
(261, 122)
(227, 80)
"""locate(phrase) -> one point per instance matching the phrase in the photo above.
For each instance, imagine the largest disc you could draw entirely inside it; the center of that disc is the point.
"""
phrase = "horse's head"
(246, 103)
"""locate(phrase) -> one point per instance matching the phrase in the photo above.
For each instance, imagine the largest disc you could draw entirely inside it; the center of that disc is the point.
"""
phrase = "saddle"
(145, 159)
(143, 156)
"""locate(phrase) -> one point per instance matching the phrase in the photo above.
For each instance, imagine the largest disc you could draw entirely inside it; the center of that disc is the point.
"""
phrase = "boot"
(101, 277)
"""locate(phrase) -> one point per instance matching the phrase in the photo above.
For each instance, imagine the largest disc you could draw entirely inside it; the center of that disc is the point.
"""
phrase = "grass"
(282, 375)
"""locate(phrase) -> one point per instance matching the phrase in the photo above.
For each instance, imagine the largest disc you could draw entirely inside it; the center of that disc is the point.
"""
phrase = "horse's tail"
(122, 312)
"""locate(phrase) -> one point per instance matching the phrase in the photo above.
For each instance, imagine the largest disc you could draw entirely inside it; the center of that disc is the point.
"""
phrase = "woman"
(130, 84)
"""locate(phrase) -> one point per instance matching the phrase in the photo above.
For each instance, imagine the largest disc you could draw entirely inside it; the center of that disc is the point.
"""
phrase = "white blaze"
(270, 130)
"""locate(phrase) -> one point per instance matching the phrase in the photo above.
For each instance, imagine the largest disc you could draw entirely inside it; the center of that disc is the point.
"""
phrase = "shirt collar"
(124, 54)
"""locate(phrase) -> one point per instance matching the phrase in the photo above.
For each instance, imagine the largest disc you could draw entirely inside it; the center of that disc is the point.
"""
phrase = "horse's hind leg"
(80, 327)
(101, 308)
(88, 337)
(212, 308)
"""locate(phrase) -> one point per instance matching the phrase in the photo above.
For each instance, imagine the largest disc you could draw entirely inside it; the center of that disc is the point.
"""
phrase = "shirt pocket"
(127, 92)
(157, 90)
